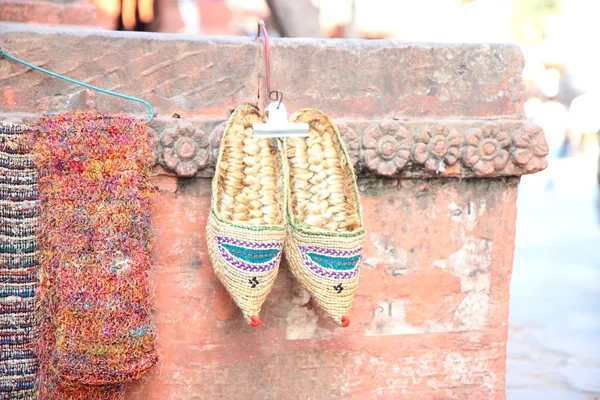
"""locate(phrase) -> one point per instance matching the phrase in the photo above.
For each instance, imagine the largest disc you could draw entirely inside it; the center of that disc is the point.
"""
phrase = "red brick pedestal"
(437, 136)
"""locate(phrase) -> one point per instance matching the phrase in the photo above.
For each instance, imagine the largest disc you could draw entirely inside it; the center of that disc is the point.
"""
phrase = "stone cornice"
(196, 76)
(388, 148)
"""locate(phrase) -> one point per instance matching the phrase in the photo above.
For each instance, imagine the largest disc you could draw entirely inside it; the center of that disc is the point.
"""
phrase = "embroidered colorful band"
(250, 256)
(332, 263)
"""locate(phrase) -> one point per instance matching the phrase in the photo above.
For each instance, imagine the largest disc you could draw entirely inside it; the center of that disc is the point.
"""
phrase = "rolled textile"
(19, 261)
(95, 302)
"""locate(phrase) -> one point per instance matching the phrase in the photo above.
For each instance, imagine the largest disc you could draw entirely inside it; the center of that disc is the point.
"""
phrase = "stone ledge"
(388, 148)
(208, 76)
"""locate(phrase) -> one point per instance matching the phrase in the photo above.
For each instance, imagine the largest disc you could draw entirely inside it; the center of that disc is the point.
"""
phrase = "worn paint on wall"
(428, 319)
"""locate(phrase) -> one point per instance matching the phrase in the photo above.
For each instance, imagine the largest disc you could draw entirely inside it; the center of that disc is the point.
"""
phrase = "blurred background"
(554, 330)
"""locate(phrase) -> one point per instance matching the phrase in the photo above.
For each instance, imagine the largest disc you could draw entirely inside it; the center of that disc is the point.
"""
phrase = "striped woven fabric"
(18, 264)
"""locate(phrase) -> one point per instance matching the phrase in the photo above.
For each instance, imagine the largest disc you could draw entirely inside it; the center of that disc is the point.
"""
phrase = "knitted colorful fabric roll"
(96, 282)
(58, 391)
(19, 208)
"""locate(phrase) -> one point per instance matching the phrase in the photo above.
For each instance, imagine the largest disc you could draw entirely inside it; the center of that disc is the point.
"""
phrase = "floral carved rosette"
(185, 149)
(387, 147)
(485, 150)
(436, 147)
(351, 140)
(156, 153)
(215, 142)
(530, 148)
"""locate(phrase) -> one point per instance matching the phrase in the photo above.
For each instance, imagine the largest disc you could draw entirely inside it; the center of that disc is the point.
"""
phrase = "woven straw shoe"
(326, 230)
(247, 223)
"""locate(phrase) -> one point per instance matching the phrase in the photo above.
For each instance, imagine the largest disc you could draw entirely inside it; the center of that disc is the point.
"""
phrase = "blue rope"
(123, 96)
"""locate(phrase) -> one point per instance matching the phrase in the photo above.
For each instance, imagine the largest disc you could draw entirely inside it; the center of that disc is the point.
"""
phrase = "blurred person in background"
(190, 16)
(584, 121)
(553, 117)
(128, 15)
(584, 126)
(138, 15)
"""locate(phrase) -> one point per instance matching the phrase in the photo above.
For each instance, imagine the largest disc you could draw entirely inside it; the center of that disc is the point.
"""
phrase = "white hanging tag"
(278, 124)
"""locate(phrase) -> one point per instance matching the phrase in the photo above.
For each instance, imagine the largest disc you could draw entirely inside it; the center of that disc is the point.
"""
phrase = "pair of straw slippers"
(296, 196)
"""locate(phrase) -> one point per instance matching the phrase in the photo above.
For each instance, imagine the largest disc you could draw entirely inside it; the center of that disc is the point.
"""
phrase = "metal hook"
(262, 28)
(278, 96)
(278, 124)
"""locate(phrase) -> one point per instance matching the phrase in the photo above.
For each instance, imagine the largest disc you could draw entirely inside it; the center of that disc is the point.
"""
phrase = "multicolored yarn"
(96, 291)
(19, 228)
(104, 392)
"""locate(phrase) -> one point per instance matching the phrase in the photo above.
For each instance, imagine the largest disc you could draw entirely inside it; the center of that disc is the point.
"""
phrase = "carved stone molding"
(486, 150)
(436, 147)
(392, 148)
(530, 148)
(352, 141)
(184, 149)
(215, 141)
(386, 147)
(452, 148)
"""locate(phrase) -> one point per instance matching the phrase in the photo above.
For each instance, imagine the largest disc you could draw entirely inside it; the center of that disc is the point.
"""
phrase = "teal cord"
(123, 96)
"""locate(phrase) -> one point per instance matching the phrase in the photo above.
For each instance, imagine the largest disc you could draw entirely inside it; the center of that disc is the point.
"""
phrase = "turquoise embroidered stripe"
(336, 263)
(251, 255)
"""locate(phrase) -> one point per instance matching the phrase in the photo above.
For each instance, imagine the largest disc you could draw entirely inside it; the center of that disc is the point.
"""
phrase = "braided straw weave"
(247, 224)
(326, 226)
(96, 290)
(19, 207)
